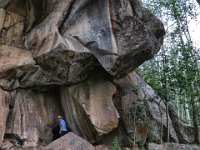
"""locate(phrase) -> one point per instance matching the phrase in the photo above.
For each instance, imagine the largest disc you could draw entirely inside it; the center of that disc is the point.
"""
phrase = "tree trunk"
(194, 118)
(161, 125)
(167, 114)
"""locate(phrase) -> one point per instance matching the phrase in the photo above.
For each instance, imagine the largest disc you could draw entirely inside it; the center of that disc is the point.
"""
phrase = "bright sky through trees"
(194, 25)
(195, 30)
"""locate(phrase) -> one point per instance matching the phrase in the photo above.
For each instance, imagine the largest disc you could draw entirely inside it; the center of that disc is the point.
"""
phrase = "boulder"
(172, 146)
(57, 68)
(70, 141)
(88, 107)
(14, 62)
(153, 24)
(114, 40)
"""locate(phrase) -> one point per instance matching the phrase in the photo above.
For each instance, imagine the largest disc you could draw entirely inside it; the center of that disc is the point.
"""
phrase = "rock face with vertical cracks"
(91, 100)
(134, 87)
(6, 102)
(32, 116)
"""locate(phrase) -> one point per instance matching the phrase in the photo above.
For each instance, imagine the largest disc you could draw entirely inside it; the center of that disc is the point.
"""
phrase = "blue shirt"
(63, 126)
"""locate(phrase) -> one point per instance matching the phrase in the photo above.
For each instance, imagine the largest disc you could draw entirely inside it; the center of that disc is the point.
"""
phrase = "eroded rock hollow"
(76, 58)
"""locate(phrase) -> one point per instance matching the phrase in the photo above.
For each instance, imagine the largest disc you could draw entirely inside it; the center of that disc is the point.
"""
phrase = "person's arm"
(61, 126)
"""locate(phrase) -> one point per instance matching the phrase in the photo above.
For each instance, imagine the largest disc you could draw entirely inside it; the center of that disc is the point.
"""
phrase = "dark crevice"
(70, 18)
(14, 138)
(65, 18)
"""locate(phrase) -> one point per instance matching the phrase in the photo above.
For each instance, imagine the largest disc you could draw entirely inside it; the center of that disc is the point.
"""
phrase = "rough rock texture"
(14, 62)
(101, 147)
(12, 27)
(6, 101)
(58, 69)
(133, 87)
(4, 3)
(121, 36)
(184, 132)
(133, 91)
(132, 110)
(113, 40)
(172, 146)
(31, 117)
(155, 106)
(70, 141)
(91, 100)
(68, 41)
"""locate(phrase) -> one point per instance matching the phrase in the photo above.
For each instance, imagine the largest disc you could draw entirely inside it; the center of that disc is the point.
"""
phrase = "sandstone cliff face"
(76, 60)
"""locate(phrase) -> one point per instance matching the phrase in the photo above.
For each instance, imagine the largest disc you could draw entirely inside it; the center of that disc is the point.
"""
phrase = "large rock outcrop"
(121, 37)
(66, 57)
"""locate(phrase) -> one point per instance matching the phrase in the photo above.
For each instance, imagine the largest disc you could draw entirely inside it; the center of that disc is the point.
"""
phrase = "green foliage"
(145, 122)
(135, 90)
(115, 144)
(175, 71)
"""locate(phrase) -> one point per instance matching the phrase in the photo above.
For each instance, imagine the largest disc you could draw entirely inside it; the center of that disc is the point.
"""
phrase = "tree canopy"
(175, 71)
